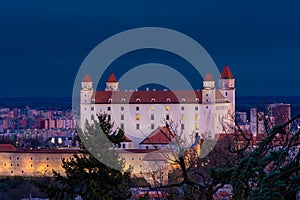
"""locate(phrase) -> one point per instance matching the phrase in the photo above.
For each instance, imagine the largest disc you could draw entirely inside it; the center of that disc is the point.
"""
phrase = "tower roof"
(208, 77)
(112, 78)
(87, 78)
(226, 73)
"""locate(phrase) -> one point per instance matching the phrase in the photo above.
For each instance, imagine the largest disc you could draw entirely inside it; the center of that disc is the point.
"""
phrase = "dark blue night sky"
(43, 43)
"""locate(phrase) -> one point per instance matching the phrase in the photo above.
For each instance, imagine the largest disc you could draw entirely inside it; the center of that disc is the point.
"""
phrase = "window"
(123, 100)
(11, 172)
(226, 93)
(138, 100)
(92, 117)
(108, 117)
(168, 100)
(152, 117)
(123, 146)
(22, 172)
(141, 166)
(110, 100)
(31, 158)
(132, 158)
(122, 108)
(196, 117)
(122, 117)
(137, 117)
(17, 158)
(47, 165)
(137, 108)
(18, 165)
(183, 100)
(207, 95)
(152, 126)
(182, 107)
(152, 100)
(140, 158)
(108, 108)
(47, 158)
(182, 117)
(31, 165)
(167, 117)
(92, 108)
(196, 126)
(196, 108)
(182, 126)
(122, 126)
(152, 108)
(167, 108)
(197, 100)
(137, 126)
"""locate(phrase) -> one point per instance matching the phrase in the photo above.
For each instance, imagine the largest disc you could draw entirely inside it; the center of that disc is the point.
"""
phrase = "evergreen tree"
(85, 175)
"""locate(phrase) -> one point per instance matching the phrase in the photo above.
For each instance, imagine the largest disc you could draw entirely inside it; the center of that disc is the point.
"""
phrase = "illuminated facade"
(36, 162)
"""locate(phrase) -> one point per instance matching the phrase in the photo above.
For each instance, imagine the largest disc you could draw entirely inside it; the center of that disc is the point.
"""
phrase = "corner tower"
(86, 95)
(227, 86)
(112, 83)
(208, 92)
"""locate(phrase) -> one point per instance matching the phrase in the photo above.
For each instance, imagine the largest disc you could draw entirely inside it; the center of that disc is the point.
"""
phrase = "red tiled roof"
(226, 73)
(148, 96)
(7, 147)
(112, 78)
(126, 139)
(161, 135)
(208, 77)
(87, 78)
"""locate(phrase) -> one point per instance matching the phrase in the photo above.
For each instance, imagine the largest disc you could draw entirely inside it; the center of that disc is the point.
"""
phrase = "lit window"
(167, 108)
(137, 117)
(152, 108)
(196, 117)
(137, 126)
(196, 126)
(182, 117)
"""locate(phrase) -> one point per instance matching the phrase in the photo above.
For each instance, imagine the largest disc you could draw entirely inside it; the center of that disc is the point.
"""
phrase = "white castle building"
(143, 113)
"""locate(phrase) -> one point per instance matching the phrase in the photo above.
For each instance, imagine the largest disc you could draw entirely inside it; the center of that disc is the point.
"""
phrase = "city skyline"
(44, 44)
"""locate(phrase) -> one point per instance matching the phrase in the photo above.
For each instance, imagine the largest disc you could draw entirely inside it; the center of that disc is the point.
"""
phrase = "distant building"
(140, 112)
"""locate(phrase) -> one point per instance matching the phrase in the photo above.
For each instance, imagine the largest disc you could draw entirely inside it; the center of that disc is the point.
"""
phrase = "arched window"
(138, 100)
(123, 100)
(183, 100)
(110, 100)
(168, 99)
(197, 100)
(153, 100)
